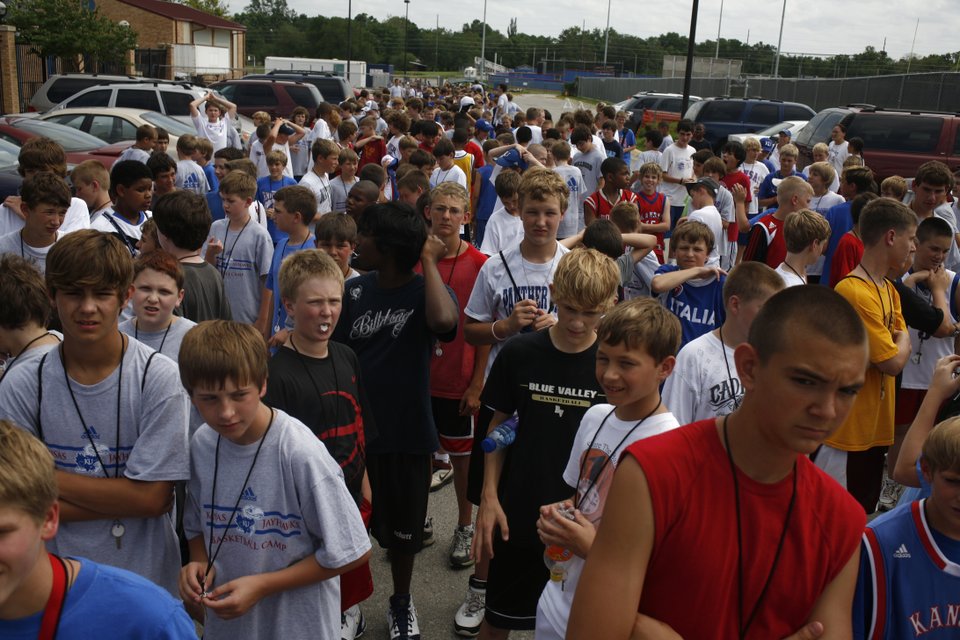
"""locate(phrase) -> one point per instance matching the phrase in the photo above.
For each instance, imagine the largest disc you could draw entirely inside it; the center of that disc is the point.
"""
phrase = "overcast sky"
(811, 26)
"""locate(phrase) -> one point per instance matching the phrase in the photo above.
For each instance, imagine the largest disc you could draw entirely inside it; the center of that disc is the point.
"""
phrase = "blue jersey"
(840, 222)
(909, 580)
(487, 198)
(266, 188)
(698, 306)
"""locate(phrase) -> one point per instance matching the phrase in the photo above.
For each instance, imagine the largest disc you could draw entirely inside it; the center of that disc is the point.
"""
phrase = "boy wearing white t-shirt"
(45, 198)
(702, 195)
(573, 217)
(447, 170)
(677, 165)
(504, 229)
(645, 335)
(212, 127)
(805, 233)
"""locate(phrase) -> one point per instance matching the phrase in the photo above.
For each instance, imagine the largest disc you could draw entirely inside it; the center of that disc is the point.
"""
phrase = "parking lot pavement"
(552, 102)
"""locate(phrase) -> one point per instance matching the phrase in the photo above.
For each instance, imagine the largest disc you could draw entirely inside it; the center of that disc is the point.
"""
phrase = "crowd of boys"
(223, 372)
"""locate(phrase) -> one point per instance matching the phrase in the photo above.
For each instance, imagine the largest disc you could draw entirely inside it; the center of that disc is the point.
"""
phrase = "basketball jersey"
(908, 584)
(651, 212)
(603, 206)
(926, 349)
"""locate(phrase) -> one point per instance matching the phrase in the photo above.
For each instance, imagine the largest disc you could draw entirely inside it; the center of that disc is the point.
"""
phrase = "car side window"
(764, 113)
(904, 133)
(670, 104)
(793, 112)
(112, 129)
(721, 111)
(260, 95)
(99, 98)
(74, 120)
(138, 99)
(176, 103)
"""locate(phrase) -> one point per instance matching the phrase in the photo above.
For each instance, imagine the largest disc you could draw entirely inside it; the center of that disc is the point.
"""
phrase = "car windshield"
(173, 127)
(67, 137)
(9, 153)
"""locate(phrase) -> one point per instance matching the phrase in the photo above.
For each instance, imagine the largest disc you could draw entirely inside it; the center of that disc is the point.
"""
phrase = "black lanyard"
(741, 627)
(211, 553)
(228, 256)
(603, 465)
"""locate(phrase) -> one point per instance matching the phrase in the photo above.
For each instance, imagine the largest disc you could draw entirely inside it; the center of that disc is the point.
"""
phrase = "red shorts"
(356, 585)
(908, 403)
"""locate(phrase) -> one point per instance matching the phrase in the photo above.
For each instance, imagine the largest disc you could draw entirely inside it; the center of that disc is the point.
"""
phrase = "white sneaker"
(470, 614)
(460, 548)
(352, 624)
(402, 619)
(889, 493)
(441, 478)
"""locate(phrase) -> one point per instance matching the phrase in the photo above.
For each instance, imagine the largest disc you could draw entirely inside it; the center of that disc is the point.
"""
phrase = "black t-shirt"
(387, 328)
(550, 391)
(327, 395)
(204, 297)
(917, 312)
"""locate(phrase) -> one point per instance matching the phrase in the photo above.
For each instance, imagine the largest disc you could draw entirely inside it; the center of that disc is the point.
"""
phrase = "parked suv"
(895, 141)
(333, 88)
(276, 97)
(648, 108)
(172, 99)
(61, 86)
(723, 116)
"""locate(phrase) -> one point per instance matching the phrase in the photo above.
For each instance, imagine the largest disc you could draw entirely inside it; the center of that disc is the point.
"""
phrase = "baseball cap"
(767, 145)
(466, 100)
(785, 132)
(286, 130)
(510, 159)
(709, 183)
(483, 125)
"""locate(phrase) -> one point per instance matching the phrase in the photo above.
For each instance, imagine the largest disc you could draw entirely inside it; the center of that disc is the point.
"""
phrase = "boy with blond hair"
(547, 378)
(241, 250)
(91, 181)
(237, 585)
(45, 198)
(691, 289)
(73, 590)
(295, 209)
(268, 185)
(330, 399)
(204, 158)
(767, 243)
(705, 382)
(109, 410)
(894, 187)
(646, 335)
(805, 233)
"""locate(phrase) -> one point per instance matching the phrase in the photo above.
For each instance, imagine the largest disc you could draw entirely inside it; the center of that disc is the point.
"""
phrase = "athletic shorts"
(516, 580)
(859, 472)
(400, 483)
(356, 585)
(908, 403)
(475, 472)
(455, 430)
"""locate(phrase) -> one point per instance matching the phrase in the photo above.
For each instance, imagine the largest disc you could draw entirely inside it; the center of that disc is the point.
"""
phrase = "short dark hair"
(157, 163)
(523, 134)
(611, 166)
(859, 177)
(24, 294)
(685, 125)
(819, 310)
(45, 188)
(228, 153)
(429, 128)
(654, 137)
(735, 148)
(702, 156)
(858, 203)
(397, 231)
(297, 199)
(880, 216)
(126, 173)
(443, 148)
(933, 227)
(604, 236)
(184, 218)
(581, 133)
(374, 173)
(336, 227)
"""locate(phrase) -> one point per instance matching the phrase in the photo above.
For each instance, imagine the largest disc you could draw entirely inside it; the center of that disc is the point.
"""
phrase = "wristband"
(494, 333)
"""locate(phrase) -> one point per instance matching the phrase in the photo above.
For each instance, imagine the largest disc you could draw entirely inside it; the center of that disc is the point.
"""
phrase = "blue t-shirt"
(215, 203)
(840, 223)
(387, 328)
(107, 602)
(211, 178)
(280, 253)
(488, 194)
(613, 149)
(626, 138)
(768, 189)
(266, 188)
(698, 305)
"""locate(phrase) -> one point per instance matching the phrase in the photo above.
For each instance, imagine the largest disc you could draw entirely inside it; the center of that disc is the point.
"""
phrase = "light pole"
(606, 39)
(406, 21)
(776, 63)
(716, 54)
(688, 72)
(483, 45)
(349, 24)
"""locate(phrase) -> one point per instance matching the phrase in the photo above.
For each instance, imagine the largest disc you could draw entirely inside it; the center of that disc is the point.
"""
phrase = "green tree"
(216, 7)
(68, 29)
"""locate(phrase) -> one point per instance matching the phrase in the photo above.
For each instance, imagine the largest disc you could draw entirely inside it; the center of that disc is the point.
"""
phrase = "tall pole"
(483, 45)
(912, 45)
(406, 21)
(436, 57)
(716, 54)
(776, 61)
(688, 72)
(349, 24)
(606, 39)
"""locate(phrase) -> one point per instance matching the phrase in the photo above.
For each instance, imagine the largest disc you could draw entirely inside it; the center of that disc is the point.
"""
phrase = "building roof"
(177, 11)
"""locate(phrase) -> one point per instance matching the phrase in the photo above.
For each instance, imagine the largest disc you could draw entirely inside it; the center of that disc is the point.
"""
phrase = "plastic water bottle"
(557, 558)
(502, 436)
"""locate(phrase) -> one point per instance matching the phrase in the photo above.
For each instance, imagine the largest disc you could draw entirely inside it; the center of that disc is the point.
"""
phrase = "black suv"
(648, 108)
(895, 141)
(333, 88)
(723, 116)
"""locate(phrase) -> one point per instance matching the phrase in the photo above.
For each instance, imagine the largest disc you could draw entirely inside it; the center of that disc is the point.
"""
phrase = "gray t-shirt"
(152, 447)
(243, 263)
(296, 504)
(589, 165)
(190, 177)
(204, 297)
(165, 341)
(37, 256)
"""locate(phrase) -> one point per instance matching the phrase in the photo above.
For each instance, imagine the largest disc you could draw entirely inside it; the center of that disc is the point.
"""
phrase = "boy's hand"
(944, 382)
(544, 320)
(433, 249)
(190, 577)
(470, 402)
(489, 516)
(576, 535)
(715, 272)
(271, 214)
(214, 247)
(523, 315)
(647, 628)
(278, 338)
(235, 598)
(739, 193)
(13, 203)
(810, 631)
(938, 279)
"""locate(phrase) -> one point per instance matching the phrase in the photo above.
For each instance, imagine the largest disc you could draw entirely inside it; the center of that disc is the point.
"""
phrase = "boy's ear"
(748, 365)
(926, 470)
(288, 306)
(249, 201)
(51, 522)
(665, 368)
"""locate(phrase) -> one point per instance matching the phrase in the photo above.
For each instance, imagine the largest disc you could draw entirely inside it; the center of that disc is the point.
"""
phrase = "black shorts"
(475, 473)
(400, 483)
(516, 580)
(455, 430)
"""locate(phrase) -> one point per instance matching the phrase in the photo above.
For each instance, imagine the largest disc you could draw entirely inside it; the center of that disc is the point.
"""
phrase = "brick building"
(175, 40)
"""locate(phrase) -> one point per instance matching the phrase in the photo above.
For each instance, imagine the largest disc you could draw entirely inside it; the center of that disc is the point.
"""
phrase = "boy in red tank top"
(654, 205)
(727, 517)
